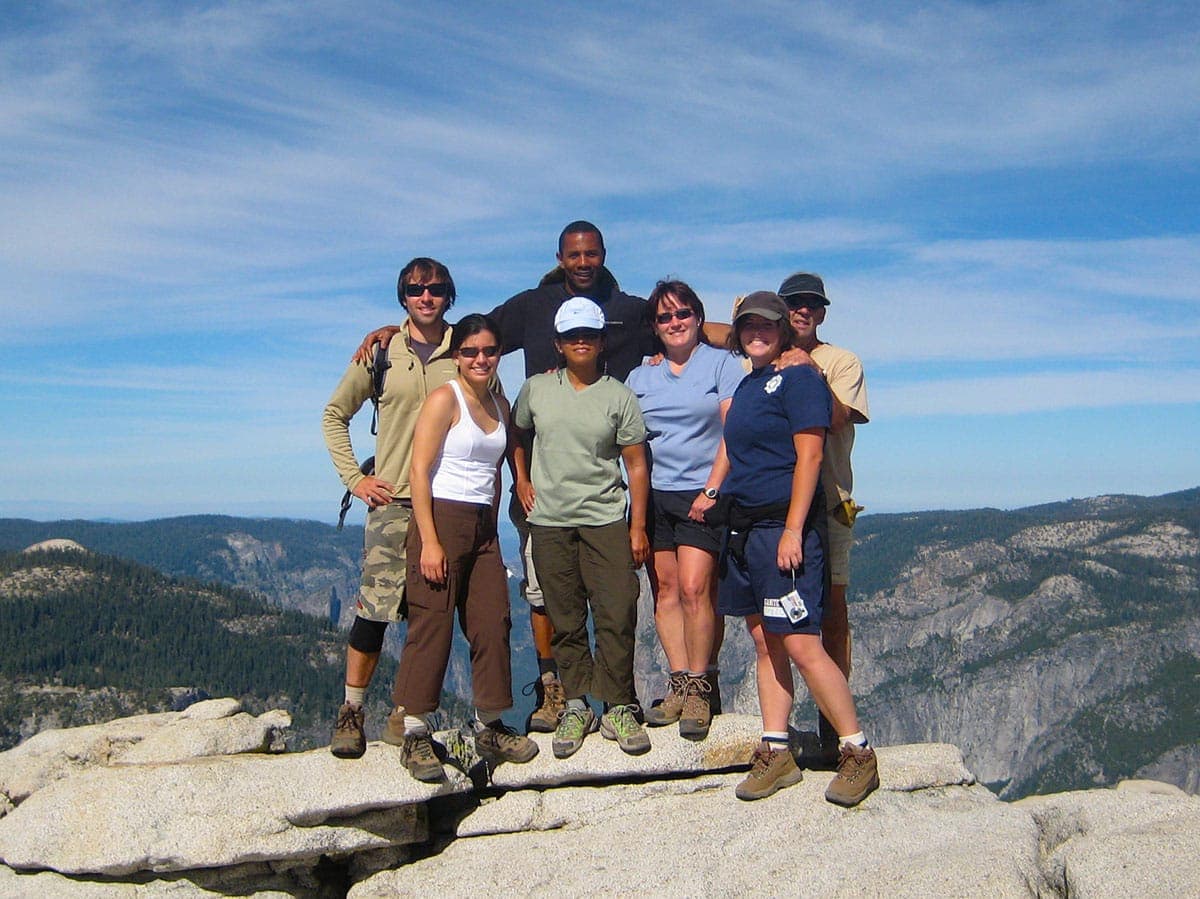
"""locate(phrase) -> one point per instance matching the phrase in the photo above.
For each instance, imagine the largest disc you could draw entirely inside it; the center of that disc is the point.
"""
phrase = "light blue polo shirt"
(683, 415)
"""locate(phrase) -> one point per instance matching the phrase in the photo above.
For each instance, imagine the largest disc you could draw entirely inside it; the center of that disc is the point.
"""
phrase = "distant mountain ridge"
(1058, 645)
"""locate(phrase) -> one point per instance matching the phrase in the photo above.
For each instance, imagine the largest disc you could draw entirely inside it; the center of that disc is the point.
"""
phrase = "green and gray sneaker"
(573, 726)
(620, 723)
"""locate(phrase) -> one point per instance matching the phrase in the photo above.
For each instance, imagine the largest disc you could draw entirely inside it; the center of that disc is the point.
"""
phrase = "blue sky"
(204, 206)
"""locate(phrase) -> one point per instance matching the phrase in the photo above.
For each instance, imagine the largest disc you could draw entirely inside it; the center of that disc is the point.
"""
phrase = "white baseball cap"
(578, 312)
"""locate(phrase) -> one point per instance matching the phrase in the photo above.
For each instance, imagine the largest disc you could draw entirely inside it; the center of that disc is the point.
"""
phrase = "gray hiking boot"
(573, 726)
(857, 776)
(419, 758)
(500, 743)
(349, 741)
(668, 709)
(696, 716)
(620, 723)
(551, 699)
(770, 771)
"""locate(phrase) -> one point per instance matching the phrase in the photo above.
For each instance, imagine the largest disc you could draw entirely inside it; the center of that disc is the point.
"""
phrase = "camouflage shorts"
(381, 596)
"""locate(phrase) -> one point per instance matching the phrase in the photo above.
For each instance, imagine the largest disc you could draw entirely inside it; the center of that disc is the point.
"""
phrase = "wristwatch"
(710, 492)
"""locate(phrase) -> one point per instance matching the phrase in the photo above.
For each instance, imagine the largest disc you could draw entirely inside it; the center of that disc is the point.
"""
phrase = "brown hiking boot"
(668, 709)
(349, 741)
(696, 716)
(770, 770)
(857, 775)
(393, 730)
(552, 700)
(500, 743)
(419, 758)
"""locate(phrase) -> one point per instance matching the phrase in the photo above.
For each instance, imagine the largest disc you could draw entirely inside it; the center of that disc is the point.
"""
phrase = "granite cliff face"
(1061, 650)
(200, 803)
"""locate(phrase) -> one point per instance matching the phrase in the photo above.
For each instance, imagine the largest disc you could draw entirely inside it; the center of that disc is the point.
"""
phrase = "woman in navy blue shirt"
(772, 569)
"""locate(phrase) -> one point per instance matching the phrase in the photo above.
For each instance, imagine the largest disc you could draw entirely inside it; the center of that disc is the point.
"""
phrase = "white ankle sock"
(415, 724)
(355, 695)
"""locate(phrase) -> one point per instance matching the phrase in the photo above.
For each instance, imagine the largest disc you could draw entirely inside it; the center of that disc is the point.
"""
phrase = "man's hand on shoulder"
(382, 336)
(796, 356)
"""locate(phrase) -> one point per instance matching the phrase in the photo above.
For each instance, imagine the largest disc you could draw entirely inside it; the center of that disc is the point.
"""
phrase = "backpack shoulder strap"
(379, 370)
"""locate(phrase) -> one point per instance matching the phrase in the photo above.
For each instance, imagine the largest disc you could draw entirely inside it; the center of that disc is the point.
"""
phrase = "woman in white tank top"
(453, 555)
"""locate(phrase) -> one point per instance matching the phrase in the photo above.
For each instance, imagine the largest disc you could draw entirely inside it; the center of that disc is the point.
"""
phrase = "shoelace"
(696, 686)
(761, 762)
(552, 691)
(347, 719)
(505, 735)
(573, 719)
(422, 748)
(623, 718)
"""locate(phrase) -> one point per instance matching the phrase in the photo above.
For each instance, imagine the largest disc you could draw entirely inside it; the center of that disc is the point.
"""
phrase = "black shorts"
(668, 525)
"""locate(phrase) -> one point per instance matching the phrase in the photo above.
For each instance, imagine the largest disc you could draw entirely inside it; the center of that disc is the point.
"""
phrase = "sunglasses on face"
(681, 314)
(470, 352)
(436, 289)
(588, 334)
(796, 303)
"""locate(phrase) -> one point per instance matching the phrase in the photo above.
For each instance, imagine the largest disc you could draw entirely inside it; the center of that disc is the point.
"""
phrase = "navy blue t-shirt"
(768, 407)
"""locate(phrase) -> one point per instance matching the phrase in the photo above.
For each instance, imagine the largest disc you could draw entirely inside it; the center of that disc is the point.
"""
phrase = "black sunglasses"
(681, 314)
(436, 289)
(801, 301)
(470, 352)
(580, 334)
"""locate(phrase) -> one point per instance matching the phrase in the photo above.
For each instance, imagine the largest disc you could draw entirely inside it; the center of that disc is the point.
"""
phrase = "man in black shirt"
(526, 322)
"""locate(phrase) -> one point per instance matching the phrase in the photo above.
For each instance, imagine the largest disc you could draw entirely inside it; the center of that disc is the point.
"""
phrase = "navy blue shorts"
(753, 585)
(668, 525)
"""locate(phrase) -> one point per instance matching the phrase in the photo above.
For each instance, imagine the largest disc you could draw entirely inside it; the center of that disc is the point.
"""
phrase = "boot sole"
(694, 730)
(349, 752)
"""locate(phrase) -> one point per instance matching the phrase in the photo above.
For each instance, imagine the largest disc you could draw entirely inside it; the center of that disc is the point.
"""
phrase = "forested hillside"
(88, 637)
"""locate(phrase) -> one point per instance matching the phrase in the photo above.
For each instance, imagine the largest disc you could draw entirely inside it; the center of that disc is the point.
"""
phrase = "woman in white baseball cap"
(585, 424)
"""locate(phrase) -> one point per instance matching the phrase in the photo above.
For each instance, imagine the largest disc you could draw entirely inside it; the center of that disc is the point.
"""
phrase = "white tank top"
(466, 469)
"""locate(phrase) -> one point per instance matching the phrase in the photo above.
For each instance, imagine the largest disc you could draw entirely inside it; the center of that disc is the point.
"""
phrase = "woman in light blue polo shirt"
(683, 400)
